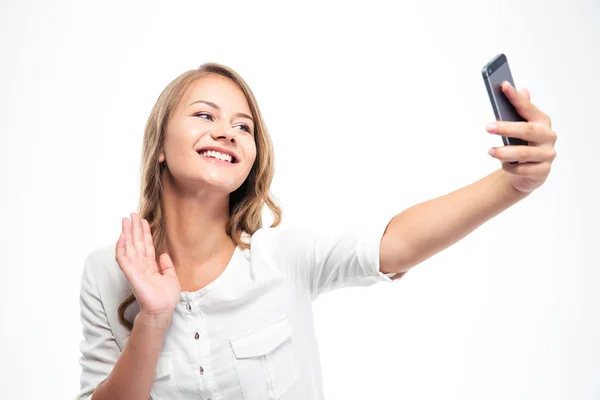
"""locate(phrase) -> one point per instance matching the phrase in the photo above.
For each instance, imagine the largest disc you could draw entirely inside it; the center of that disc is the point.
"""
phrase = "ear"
(161, 157)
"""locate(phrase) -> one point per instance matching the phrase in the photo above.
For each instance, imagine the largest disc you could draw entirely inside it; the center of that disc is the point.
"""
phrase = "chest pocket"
(164, 387)
(265, 360)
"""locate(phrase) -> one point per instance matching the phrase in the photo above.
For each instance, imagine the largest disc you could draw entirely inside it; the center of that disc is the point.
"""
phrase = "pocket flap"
(163, 367)
(262, 340)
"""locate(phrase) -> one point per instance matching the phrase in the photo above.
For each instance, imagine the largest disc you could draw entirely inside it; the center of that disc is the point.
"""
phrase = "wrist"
(510, 190)
(160, 321)
(148, 334)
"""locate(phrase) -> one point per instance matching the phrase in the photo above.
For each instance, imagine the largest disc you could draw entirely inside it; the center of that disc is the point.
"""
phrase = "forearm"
(133, 374)
(429, 227)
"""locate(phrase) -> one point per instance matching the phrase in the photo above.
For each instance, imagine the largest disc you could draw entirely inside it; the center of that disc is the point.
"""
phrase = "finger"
(166, 265)
(524, 107)
(121, 256)
(138, 237)
(148, 239)
(120, 248)
(529, 131)
(126, 226)
(531, 170)
(523, 153)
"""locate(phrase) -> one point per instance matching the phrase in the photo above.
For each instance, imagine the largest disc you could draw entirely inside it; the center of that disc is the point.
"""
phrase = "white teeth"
(217, 155)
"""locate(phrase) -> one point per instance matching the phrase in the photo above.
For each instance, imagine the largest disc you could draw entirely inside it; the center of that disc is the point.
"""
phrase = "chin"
(222, 183)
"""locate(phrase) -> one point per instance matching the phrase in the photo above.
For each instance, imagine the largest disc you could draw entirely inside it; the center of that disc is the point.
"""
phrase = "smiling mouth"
(217, 156)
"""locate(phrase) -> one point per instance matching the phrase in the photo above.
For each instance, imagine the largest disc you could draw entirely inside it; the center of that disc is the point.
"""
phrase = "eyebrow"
(213, 105)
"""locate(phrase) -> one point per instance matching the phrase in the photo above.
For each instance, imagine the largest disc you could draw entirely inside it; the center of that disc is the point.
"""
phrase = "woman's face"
(213, 113)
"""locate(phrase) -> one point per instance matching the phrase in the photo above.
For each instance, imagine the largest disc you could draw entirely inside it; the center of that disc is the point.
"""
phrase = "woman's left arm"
(427, 228)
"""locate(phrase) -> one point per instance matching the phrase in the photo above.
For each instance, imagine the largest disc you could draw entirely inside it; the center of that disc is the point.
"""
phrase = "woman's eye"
(209, 117)
(204, 115)
(246, 128)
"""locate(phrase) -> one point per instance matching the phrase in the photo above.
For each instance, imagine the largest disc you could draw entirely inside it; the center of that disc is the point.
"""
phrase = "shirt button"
(188, 307)
(197, 336)
(202, 371)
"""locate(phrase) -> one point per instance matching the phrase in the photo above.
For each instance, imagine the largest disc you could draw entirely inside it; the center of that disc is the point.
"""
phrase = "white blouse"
(247, 335)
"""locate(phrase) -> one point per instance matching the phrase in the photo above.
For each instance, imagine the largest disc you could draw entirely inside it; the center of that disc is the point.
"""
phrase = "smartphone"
(494, 73)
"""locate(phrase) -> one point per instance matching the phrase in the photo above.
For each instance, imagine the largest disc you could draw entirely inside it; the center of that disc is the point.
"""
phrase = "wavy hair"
(245, 204)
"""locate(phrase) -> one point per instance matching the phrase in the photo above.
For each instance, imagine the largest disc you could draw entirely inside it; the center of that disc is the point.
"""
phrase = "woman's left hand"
(536, 158)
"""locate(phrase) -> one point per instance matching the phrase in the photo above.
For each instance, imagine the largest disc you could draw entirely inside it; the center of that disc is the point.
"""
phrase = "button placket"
(195, 320)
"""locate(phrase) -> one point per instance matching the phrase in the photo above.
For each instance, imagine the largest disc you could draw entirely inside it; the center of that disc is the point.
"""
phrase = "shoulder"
(101, 266)
(101, 261)
(104, 288)
(281, 235)
(283, 245)
(102, 255)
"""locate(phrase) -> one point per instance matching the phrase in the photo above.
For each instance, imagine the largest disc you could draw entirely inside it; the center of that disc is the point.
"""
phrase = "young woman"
(198, 301)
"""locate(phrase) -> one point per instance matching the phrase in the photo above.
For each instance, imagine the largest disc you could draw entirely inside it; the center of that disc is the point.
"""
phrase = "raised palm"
(155, 286)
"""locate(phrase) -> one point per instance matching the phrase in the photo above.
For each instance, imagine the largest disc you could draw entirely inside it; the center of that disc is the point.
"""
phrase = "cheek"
(182, 135)
(188, 126)
(251, 153)
(188, 129)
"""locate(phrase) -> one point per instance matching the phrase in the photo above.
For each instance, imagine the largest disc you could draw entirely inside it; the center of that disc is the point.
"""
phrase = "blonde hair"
(245, 204)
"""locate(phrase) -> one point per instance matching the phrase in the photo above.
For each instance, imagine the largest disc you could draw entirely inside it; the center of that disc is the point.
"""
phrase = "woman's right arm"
(133, 374)
(106, 372)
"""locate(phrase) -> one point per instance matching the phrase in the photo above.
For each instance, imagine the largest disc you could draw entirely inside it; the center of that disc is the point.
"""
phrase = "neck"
(196, 224)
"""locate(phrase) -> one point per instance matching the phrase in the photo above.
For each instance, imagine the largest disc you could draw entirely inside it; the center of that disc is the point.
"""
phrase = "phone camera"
(489, 70)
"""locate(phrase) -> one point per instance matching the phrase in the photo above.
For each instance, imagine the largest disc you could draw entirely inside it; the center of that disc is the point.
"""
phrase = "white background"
(372, 107)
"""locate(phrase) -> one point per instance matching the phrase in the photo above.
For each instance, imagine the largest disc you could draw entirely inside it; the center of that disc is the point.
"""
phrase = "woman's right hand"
(156, 288)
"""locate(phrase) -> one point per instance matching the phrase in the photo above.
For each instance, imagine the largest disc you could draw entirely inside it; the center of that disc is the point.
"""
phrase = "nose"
(223, 133)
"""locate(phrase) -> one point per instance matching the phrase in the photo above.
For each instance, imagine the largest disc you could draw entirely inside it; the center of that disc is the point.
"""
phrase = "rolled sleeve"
(369, 249)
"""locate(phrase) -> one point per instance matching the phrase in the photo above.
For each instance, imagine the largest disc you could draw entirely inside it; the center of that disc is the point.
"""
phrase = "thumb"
(525, 93)
(166, 265)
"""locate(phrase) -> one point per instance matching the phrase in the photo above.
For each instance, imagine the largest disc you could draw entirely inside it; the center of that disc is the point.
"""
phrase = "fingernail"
(492, 151)
(492, 127)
